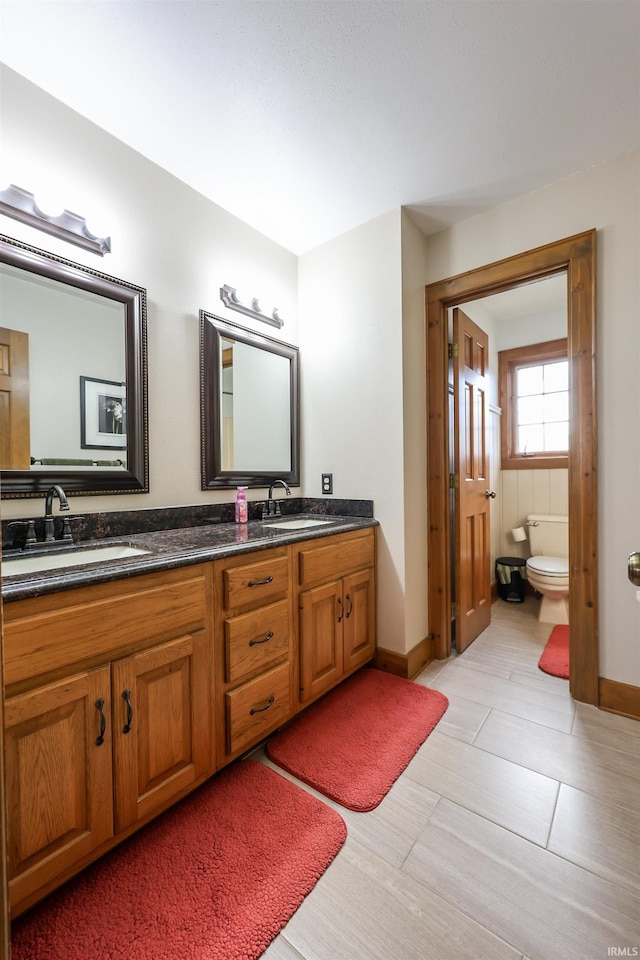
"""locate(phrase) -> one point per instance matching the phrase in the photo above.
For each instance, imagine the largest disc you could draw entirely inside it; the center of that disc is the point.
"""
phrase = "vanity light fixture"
(21, 205)
(229, 296)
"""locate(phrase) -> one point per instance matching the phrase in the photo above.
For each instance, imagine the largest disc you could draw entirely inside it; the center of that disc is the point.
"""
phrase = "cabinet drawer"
(321, 564)
(257, 708)
(256, 583)
(255, 640)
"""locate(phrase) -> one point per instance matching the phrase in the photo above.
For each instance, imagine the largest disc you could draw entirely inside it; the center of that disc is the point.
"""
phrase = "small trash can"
(510, 577)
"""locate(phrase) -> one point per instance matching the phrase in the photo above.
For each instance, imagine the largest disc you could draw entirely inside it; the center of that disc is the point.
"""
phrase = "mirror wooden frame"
(574, 256)
(17, 484)
(212, 330)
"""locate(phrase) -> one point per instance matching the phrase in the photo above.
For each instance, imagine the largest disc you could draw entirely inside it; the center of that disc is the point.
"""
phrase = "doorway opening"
(575, 258)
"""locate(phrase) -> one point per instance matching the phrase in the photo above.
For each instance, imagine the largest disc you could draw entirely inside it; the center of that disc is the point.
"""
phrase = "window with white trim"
(534, 396)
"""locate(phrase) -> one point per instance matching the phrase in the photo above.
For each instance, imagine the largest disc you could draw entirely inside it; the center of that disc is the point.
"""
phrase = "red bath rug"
(214, 878)
(555, 656)
(354, 743)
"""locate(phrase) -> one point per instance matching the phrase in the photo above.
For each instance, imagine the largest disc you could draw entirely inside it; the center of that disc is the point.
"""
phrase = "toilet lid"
(549, 566)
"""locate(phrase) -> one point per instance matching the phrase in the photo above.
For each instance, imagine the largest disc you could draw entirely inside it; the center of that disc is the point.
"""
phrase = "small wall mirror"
(73, 407)
(249, 407)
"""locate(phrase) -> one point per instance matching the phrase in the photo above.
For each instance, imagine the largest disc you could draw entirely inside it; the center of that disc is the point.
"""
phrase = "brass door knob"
(490, 494)
(633, 568)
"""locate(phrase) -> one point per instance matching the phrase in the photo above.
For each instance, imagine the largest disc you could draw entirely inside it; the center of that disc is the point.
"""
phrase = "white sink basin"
(299, 523)
(74, 558)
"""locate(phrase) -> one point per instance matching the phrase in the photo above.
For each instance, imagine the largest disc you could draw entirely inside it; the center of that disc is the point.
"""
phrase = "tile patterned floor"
(513, 833)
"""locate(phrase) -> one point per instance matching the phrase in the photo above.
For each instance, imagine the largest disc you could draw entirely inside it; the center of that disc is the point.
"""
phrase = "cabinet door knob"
(350, 610)
(260, 583)
(103, 721)
(262, 709)
(341, 609)
(126, 696)
(269, 636)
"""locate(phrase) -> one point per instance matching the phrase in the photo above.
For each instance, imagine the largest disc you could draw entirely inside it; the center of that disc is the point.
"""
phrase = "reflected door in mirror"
(14, 400)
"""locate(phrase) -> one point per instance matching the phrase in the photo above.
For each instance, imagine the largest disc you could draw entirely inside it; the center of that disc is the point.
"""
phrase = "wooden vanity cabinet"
(107, 717)
(254, 649)
(122, 697)
(336, 602)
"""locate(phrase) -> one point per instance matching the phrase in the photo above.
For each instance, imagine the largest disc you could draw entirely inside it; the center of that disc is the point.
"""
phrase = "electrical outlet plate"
(327, 483)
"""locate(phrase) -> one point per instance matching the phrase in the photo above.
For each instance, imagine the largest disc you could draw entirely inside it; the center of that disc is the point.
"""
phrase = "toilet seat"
(549, 566)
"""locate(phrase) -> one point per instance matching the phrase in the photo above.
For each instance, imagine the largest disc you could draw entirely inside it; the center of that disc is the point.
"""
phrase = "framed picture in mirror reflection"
(103, 414)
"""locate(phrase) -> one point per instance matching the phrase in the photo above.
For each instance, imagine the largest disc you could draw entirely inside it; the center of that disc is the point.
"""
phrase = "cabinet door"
(358, 630)
(321, 617)
(59, 778)
(161, 726)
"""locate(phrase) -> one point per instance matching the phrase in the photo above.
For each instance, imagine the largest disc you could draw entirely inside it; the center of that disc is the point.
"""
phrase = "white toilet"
(548, 567)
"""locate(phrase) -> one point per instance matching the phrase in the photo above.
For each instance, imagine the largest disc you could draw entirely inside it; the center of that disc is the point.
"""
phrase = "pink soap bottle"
(241, 505)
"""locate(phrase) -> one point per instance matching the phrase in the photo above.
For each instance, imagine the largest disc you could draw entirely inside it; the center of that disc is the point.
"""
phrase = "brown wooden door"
(359, 638)
(472, 542)
(15, 443)
(4, 878)
(321, 663)
(59, 778)
(161, 726)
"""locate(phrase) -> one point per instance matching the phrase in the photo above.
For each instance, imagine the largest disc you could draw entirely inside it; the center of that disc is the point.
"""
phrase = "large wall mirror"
(73, 377)
(249, 407)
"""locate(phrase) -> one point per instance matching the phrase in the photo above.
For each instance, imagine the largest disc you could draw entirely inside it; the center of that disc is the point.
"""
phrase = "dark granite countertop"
(172, 548)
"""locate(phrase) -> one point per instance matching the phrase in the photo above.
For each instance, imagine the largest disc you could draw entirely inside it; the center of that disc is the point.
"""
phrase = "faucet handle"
(66, 527)
(30, 538)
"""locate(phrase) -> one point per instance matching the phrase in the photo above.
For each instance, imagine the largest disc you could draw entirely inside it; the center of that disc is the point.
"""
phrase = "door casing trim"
(574, 256)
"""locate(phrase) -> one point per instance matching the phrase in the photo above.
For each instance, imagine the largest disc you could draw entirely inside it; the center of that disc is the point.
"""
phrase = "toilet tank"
(548, 535)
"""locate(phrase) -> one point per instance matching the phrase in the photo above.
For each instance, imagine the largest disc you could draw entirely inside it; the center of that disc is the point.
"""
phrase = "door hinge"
(453, 351)
(455, 610)
(454, 482)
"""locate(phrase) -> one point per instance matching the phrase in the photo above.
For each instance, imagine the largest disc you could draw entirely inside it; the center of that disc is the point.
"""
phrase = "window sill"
(536, 463)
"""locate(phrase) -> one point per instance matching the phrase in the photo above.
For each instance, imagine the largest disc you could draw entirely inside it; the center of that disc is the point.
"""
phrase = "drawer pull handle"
(262, 709)
(350, 610)
(126, 696)
(260, 583)
(103, 721)
(269, 636)
(341, 610)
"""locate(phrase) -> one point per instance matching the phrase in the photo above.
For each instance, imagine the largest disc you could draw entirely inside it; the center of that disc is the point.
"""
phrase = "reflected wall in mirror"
(65, 326)
(249, 406)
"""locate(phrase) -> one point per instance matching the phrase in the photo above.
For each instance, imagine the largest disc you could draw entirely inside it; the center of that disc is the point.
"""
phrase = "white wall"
(352, 405)
(165, 237)
(606, 197)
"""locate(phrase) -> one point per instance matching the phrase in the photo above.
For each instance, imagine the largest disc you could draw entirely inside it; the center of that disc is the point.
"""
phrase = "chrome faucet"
(57, 491)
(272, 507)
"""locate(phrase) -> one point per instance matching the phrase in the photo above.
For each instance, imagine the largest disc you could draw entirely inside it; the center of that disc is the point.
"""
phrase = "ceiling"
(306, 118)
(548, 295)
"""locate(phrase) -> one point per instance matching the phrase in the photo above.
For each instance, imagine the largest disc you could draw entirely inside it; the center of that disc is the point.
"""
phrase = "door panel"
(58, 778)
(359, 619)
(473, 576)
(320, 639)
(161, 739)
(15, 445)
